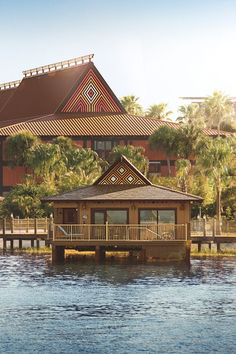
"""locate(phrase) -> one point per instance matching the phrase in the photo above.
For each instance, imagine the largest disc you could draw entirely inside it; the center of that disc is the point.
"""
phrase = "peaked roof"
(41, 94)
(122, 171)
(123, 182)
(51, 92)
(5, 96)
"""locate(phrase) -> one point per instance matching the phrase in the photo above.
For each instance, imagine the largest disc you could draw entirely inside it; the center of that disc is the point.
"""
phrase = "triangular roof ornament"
(122, 171)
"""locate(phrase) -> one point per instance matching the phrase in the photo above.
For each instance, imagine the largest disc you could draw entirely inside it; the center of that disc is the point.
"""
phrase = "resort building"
(123, 211)
(71, 98)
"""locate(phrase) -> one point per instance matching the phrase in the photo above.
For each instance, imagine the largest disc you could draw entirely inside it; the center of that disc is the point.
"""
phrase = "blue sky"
(156, 50)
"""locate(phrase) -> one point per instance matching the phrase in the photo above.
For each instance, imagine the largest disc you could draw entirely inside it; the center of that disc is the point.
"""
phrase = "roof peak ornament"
(65, 64)
(9, 85)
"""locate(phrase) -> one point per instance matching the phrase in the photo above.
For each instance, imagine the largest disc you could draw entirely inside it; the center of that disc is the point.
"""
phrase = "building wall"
(84, 210)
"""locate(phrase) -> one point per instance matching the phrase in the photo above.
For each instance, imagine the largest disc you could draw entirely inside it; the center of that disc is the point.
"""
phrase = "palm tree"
(213, 160)
(183, 168)
(187, 140)
(191, 114)
(218, 110)
(133, 153)
(165, 139)
(158, 111)
(18, 147)
(46, 161)
(131, 105)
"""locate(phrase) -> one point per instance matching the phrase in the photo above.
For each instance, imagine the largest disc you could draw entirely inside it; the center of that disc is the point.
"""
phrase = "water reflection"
(116, 308)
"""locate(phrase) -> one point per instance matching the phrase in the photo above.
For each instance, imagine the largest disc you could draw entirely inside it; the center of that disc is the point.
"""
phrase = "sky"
(157, 50)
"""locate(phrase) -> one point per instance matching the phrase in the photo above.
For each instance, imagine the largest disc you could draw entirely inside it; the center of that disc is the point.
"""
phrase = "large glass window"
(117, 216)
(113, 216)
(154, 216)
(166, 216)
(148, 216)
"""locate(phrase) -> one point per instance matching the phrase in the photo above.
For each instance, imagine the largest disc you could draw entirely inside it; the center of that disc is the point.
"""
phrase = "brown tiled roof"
(92, 125)
(124, 193)
(41, 94)
(5, 96)
(88, 125)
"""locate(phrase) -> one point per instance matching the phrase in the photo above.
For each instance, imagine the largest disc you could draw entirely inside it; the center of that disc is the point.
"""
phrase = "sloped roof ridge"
(176, 191)
(61, 65)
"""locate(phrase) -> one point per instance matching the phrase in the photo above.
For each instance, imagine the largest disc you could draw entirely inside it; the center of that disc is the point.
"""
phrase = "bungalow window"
(69, 216)
(103, 147)
(157, 216)
(155, 167)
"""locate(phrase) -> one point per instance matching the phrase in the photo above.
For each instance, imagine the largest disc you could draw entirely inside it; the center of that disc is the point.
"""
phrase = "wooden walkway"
(33, 230)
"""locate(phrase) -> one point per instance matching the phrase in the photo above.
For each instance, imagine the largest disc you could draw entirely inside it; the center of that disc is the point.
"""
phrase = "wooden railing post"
(12, 224)
(107, 231)
(204, 227)
(214, 228)
(35, 226)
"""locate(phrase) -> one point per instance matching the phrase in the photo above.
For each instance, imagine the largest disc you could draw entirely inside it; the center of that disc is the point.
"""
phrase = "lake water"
(116, 308)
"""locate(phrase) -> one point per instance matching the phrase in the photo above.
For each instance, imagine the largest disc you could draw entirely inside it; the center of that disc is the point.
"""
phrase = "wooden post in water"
(199, 246)
(58, 254)
(4, 234)
(20, 244)
(32, 243)
(12, 245)
(100, 254)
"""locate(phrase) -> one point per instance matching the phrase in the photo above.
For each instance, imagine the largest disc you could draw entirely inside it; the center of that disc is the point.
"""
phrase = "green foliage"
(183, 168)
(218, 110)
(131, 105)
(18, 147)
(25, 201)
(158, 111)
(133, 153)
(169, 182)
(56, 167)
(191, 114)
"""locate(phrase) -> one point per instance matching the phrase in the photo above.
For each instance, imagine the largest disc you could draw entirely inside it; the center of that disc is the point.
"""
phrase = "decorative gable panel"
(121, 173)
(91, 96)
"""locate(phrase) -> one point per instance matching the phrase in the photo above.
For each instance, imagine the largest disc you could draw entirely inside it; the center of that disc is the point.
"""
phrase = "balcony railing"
(112, 232)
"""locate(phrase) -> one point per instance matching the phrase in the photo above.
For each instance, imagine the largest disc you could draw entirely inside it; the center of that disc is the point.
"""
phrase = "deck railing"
(25, 226)
(211, 227)
(118, 232)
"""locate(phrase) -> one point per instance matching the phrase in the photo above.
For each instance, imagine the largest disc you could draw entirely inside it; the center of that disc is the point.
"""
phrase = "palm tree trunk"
(169, 170)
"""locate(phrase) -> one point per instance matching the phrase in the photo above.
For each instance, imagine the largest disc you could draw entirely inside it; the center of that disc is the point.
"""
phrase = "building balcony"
(120, 232)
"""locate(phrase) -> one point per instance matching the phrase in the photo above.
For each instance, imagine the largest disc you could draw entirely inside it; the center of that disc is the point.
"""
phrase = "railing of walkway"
(203, 228)
(25, 226)
(111, 232)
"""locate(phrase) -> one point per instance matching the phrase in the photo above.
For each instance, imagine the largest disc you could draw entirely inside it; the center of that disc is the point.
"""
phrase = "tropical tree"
(165, 139)
(131, 105)
(133, 153)
(213, 160)
(46, 162)
(158, 111)
(183, 168)
(18, 147)
(218, 110)
(25, 201)
(187, 138)
(191, 114)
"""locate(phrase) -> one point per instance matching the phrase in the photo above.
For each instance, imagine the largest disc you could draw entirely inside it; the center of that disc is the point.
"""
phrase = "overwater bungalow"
(123, 211)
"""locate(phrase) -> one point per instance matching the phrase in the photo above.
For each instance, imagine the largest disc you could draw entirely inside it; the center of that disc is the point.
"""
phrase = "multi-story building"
(71, 98)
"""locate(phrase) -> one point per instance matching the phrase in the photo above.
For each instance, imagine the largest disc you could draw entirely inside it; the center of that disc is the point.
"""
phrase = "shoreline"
(74, 253)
